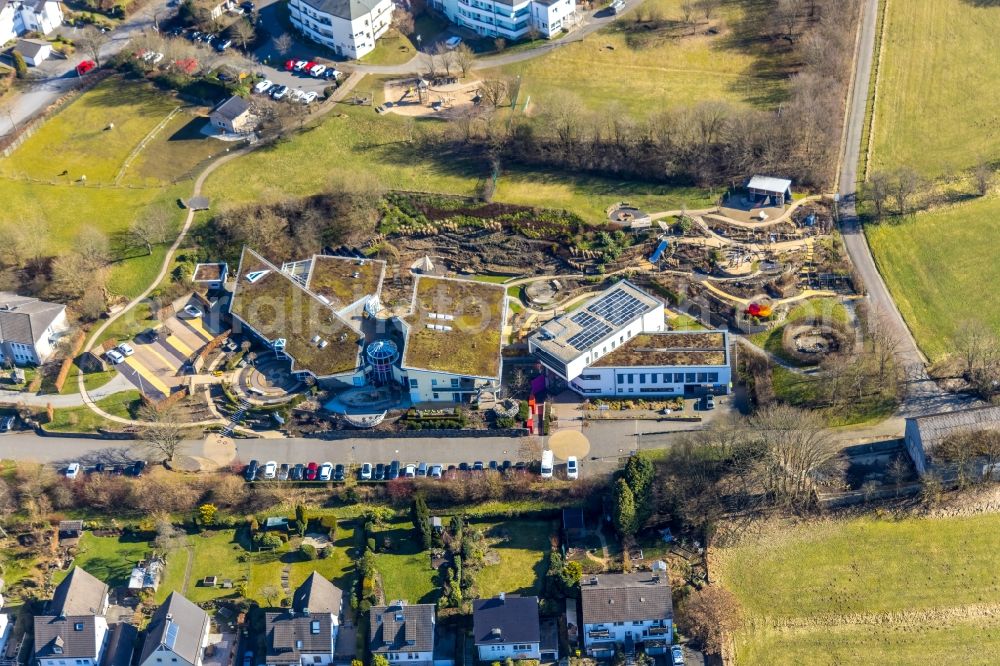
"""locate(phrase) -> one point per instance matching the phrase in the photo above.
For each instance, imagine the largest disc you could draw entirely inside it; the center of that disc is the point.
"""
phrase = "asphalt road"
(60, 75)
(923, 396)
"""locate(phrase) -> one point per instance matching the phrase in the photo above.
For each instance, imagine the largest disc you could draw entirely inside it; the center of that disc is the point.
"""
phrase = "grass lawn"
(391, 49)
(80, 142)
(939, 267)
(92, 380)
(642, 71)
(109, 559)
(684, 322)
(815, 307)
(805, 390)
(523, 547)
(405, 569)
(865, 591)
(359, 142)
(81, 419)
(939, 55)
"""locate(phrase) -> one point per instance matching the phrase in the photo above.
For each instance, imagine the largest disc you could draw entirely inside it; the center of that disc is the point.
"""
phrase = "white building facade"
(617, 344)
(512, 19)
(623, 609)
(348, 27)
(29, 328)
(17, 18)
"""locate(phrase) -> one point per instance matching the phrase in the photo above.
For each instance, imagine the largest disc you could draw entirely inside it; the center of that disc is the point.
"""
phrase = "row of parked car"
(272, 470)
(313, 69)
(279, 92)
(133, 468)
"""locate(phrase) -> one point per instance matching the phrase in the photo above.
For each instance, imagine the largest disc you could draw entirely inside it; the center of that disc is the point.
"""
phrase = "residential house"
(28, 328)
(510, 19)
(403, 633)
(348, 27)
(121, 645)
(232, 116)
(325, 314)
(306, 633)
(922, 434)
(73, 628)
(20, 16)
(177, 634)
(617, 344)
(34, 51)
(625, 610)
(506, 626)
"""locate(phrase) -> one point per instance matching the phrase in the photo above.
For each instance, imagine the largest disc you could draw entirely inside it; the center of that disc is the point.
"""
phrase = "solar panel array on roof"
(586, 338)
(584, 319)
(618, 307)
(171, 638)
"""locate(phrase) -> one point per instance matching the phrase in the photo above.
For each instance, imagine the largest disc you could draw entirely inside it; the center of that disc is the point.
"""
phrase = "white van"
(546, 470)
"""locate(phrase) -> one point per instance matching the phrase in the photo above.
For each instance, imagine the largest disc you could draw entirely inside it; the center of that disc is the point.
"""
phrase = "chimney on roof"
(502, 597)
(496, 633)
(593, 580)
(170, 616)
(305, 611)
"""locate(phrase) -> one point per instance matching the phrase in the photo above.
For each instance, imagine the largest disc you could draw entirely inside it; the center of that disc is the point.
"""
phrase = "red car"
(311, 471)
(85, 67)
(289, 65)
(309, 65)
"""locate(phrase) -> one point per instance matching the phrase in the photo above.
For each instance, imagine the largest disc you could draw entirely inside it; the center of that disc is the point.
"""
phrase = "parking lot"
(157, 364)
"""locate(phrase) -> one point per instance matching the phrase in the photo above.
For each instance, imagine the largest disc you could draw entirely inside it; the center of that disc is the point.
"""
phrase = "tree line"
(710, 143)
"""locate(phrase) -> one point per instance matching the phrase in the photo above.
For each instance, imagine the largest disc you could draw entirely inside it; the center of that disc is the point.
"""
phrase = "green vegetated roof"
(276, 306)
(344, 280)
(472, 345)
(675, 348)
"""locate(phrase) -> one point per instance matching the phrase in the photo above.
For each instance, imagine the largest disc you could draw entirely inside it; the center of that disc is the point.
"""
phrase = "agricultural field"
(939, 266)
(867, 591)
(107, 158)
(939, 57)
(643, 68)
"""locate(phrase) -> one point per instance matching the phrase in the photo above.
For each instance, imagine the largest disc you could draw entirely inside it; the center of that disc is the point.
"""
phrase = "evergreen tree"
(623, 511)
(639, 474)
(20, 66)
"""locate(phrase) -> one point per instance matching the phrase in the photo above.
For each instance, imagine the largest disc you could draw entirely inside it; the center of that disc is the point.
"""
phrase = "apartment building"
(349, 27)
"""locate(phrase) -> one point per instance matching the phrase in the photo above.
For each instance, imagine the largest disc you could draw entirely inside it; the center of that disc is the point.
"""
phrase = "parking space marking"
(198, 328)
(172, 352)
(171, 365)
(148, 376)
(176, 343)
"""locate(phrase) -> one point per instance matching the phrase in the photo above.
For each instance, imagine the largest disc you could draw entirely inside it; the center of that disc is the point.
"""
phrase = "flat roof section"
(677, 348)
(455, 326)
(574, 333)
(344, 280)
(208, 272)
(276, 306)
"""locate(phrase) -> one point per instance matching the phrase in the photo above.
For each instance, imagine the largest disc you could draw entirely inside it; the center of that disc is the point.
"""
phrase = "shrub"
(309, 551)
(371, 544)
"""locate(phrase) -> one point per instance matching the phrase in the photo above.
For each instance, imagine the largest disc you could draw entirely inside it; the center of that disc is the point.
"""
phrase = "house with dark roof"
(349, 27)
(626, 610)
(403, 632)
(507, 626)
(232, 116)
(28, 328)
(922, 434)
(306, 633)
(73, 629)
(34, 51)
(177, 634)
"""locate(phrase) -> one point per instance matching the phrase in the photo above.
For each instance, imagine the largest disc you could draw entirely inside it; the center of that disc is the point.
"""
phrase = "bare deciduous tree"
(283, 43)
(161, 435)
(464, 57)
(495, 91)
(92, 41)
(905, 185)
(152, 228)
(876, 192)
(983, 177)
(709, 615)
(242, 31)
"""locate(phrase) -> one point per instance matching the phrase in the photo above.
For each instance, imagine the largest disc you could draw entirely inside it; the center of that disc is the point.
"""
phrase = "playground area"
(418, 97)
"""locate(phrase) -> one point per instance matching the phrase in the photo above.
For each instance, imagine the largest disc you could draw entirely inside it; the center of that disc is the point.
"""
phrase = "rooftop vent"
(496, 633)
